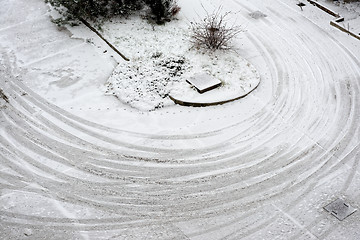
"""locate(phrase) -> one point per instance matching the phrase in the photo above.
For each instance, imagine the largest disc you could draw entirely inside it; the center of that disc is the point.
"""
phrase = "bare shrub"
(213, 31)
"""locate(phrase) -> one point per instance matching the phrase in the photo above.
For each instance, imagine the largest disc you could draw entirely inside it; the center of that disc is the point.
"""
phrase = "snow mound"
(237, 75)
(162, 59)
(145, 84)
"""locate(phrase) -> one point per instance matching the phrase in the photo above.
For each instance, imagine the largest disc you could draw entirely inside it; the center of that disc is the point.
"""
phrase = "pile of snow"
(162, 58)
(237, 75)
(145, 83)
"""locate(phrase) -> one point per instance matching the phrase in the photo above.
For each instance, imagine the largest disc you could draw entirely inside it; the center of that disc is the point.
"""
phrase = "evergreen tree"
(94, 10)
(98, 10)
(162, 10)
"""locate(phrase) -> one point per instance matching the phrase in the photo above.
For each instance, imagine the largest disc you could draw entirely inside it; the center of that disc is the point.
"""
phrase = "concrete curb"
(335, 23)
(207, 104)
(324, 8)
(106, 41)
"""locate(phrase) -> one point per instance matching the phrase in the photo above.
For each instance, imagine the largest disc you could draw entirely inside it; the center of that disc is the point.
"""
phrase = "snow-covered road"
(259, 168)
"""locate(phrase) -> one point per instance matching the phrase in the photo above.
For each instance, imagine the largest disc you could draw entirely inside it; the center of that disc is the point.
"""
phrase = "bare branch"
(212, 32)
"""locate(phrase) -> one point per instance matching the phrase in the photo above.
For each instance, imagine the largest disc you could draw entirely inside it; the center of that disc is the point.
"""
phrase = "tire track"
(114, 179)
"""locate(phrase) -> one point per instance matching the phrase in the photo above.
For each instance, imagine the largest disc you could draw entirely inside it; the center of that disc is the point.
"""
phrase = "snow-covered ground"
(76, 163)
(163, 58)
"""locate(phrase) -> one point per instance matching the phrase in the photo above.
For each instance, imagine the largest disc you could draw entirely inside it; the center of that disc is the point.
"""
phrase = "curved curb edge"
(203, 104)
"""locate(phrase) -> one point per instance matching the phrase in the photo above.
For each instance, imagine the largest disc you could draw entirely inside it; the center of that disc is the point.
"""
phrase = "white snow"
(156, 71)
(203, 82)
(76, 163)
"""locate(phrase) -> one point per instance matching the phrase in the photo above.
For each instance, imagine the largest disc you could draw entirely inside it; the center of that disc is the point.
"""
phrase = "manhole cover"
(340, 209)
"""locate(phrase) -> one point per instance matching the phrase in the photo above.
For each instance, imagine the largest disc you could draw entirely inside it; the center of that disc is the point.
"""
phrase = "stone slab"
(204, 82)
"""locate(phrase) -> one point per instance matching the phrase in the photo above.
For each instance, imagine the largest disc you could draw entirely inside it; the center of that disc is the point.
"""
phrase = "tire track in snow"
(111, 184)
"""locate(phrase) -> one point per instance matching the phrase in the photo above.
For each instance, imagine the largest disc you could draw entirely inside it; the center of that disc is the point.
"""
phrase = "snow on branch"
(213, 31)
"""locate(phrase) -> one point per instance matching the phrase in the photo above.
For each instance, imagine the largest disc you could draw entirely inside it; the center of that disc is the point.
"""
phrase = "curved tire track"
(94, 178)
